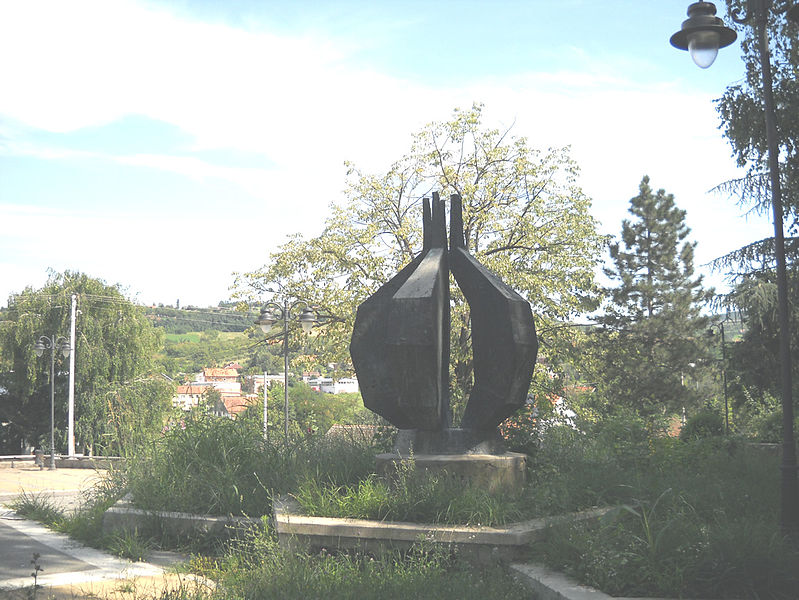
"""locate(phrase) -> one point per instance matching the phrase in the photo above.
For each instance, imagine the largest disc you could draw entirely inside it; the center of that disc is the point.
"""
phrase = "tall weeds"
(207, 465)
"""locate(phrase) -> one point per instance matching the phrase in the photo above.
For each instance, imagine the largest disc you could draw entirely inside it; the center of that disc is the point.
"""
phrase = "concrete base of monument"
(479, 545)
(478, 457)
(494, 472)
(448, 441)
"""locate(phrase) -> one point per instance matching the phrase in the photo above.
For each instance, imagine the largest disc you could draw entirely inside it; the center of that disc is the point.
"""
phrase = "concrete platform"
(176, 525)
(480, 545)
(494, 472)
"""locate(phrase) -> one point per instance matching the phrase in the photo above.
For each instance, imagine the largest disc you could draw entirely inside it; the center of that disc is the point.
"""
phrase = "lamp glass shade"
(307, 319)
(266, 321)
(703, 46)
(38, 348)
(65, 349)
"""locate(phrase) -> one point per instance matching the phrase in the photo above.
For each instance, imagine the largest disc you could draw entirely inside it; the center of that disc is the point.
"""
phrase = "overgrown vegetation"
(255, 567)
(410, 495)
(697, 519)
(85, 524)
(207, 465)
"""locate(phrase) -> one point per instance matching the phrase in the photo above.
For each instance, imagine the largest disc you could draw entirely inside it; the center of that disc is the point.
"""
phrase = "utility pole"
(266, 428)
(71, 424)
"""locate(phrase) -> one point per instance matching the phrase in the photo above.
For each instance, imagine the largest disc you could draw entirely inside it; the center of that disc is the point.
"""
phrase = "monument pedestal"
(477, 457)
(494, 472)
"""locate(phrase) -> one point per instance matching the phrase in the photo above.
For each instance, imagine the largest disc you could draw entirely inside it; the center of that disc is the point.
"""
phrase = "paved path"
(62, 487)
(71, 571)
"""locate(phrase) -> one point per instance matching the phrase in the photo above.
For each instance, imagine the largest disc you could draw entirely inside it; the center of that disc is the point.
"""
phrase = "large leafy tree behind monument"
(114, 343)
(525, 218)
(652, 333)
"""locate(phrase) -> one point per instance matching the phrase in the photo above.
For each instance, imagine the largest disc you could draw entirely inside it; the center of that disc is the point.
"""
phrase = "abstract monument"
(401, 339)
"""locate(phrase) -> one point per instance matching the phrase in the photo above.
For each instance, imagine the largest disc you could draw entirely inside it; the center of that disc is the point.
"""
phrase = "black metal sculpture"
(401, 339)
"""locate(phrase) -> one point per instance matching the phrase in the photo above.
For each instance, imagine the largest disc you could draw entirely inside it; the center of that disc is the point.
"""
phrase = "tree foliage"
(525, 218)
(753, 362)
(743, 120)
(114, 346)
(652, 334)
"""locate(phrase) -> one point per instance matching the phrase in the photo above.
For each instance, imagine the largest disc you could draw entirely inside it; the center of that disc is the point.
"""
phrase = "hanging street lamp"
(54, 344)
(273, 314)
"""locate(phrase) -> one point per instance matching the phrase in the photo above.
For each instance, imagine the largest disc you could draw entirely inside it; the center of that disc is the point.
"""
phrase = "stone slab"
(480, 544)
(124, 516)
(505, 471)
(552, 585)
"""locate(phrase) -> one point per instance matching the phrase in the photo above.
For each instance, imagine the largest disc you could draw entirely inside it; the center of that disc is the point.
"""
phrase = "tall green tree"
(525, 218)
(114, 346)
(743, 120)
(652, 335)
(754, 362)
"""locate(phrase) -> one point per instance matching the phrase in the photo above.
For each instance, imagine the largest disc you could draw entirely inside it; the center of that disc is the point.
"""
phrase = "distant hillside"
(184, 320)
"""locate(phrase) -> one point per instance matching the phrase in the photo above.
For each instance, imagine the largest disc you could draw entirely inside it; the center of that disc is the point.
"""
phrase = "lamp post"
(702, 34)
(52, 343)
(724, 372)
(273, 314)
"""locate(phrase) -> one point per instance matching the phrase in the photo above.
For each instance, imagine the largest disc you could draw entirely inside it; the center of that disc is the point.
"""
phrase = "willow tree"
(114, 346)
(525, 217)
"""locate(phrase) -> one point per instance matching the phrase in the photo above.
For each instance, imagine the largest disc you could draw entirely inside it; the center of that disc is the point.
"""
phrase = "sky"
(164, 146)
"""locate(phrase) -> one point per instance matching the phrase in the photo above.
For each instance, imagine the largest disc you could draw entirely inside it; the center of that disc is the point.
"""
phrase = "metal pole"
(266, 429)
(790, 492)
(71, 404)
(52, 403)
(286, 370)
(724, 380)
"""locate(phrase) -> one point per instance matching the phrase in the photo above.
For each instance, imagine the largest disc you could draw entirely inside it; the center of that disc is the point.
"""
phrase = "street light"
(709, 34)
(272, 314)
(52, 343)
(724, 371)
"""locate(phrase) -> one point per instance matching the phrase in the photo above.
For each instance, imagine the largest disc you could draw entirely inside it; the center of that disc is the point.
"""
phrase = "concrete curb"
(481, 545)
(61, 462)
(124, 516)
(552, 585)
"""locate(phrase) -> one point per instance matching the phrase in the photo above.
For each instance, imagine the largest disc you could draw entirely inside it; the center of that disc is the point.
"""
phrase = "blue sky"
(165, 145)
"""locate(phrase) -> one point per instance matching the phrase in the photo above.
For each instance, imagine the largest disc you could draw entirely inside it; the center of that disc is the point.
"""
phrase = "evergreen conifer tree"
(652, 338)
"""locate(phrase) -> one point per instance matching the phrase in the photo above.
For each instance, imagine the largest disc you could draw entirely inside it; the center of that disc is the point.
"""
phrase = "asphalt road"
(17, 550)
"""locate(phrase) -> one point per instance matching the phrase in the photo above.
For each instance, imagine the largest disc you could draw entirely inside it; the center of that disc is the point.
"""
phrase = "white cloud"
(301, 103)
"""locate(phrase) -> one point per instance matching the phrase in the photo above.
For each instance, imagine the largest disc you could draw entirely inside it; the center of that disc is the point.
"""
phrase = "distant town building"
(225, 380)
(328, 386)
(188, 396)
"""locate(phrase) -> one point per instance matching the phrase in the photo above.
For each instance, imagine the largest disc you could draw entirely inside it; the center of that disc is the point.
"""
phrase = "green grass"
(37, 507)
(697, 520)
(410, 496)
(86, 523)
(694, 518)
(221, 466)
(255, 567)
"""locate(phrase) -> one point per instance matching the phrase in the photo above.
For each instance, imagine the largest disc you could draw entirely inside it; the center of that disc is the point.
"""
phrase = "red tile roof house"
(218, 374)
(188, 396)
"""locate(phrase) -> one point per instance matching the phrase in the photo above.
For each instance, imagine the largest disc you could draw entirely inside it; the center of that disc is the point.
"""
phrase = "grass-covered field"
(694, 519)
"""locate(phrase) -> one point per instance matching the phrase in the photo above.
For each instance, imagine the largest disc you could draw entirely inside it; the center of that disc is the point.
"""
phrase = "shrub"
(705, 423)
